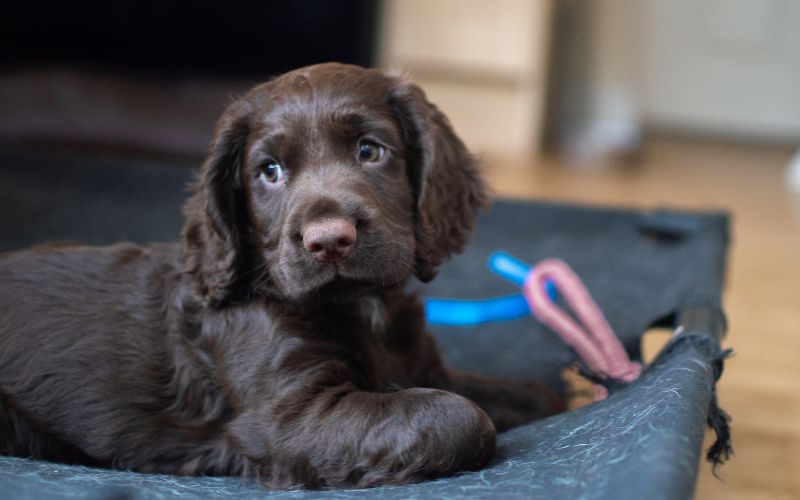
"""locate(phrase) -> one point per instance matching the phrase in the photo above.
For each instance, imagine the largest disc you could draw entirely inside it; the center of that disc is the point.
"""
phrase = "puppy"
(275, 341)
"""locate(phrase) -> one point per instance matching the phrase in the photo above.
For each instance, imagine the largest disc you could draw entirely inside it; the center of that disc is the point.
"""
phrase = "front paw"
(364, 439)
(433, 433)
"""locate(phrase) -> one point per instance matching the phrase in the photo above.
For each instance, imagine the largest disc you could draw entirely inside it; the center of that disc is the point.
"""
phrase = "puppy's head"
(328, 180)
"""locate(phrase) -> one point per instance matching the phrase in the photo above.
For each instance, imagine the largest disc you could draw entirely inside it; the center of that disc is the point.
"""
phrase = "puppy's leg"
(509, 403)
(345, 437)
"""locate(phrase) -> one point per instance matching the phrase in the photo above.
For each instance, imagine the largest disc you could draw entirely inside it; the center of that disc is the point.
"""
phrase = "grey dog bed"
(657, 268)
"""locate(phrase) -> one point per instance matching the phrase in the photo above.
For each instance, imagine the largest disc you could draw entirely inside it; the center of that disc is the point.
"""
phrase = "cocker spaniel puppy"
(275, 340)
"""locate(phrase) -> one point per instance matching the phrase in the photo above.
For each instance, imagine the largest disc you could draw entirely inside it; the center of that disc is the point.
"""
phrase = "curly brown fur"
(250, 347)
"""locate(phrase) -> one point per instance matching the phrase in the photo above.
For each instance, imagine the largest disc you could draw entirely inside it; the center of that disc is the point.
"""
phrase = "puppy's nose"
(329, 240)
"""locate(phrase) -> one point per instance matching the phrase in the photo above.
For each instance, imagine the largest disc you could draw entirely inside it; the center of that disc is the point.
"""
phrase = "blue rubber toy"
(454, 312)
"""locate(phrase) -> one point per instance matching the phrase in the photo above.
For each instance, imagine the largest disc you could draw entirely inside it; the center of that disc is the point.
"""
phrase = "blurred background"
(643, 103)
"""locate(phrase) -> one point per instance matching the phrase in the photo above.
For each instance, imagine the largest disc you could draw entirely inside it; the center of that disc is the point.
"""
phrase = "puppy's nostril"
(344, 242)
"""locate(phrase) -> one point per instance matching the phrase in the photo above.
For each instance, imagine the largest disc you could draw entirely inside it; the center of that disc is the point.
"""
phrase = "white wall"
(722, 66)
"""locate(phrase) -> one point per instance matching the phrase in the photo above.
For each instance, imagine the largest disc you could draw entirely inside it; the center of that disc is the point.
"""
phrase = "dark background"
(234, 37)
(107, 107)
(150, 77)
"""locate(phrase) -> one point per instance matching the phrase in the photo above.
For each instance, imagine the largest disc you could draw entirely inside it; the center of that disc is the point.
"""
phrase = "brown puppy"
(275, 340)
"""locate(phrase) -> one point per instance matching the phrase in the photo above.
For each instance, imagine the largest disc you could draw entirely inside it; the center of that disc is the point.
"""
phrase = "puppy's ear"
(217, 224)
(448, 187)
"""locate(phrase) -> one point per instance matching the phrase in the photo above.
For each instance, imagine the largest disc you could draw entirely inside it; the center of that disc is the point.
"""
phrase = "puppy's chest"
(359, 339)
(264, 352)
(356, 337)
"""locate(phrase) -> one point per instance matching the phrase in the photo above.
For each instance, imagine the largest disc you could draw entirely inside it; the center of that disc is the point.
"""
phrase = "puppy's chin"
(331, 282)
(342, 289)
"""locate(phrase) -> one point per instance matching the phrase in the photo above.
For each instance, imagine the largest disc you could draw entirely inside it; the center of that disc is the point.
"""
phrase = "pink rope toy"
(592, 339)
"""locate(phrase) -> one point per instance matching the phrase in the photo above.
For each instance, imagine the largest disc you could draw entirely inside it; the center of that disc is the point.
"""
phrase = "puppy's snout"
(329, 240)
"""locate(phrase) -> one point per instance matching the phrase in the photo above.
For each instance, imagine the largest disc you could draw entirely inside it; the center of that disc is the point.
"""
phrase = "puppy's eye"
(272, 171)
(369, 152)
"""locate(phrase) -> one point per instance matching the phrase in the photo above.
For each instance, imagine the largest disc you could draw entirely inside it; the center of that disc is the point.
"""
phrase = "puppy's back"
(76, 322)
(74, 290)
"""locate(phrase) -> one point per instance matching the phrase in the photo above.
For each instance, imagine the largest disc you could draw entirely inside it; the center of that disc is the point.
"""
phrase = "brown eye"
(272, 171)
(369, 152)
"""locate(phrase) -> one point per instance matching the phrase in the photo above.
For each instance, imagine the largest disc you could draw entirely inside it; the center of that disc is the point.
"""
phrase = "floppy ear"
(217, 225)
(447, 184)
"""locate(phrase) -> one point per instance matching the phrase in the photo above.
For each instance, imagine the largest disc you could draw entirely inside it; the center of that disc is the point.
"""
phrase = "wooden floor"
(761, 384)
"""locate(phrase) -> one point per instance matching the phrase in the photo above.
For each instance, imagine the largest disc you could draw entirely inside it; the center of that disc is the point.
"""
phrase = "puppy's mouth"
(349, 277)
(327, 281)
(338, 277)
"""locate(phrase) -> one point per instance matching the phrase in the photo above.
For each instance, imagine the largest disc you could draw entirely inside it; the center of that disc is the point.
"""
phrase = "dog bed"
(644, 269)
